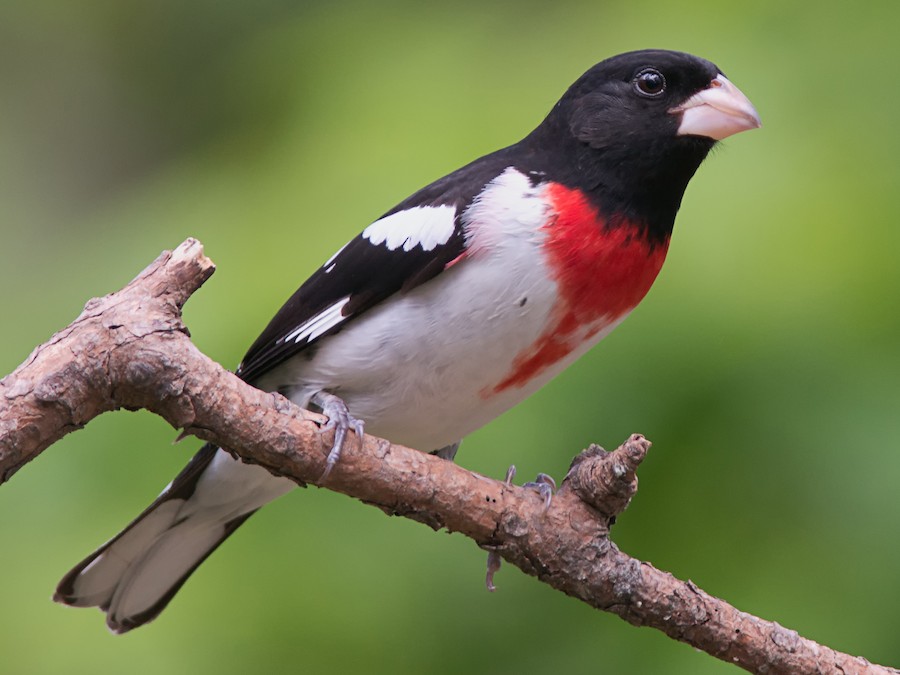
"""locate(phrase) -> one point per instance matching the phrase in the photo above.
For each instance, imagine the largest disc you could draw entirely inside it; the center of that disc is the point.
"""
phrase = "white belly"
(423, 386)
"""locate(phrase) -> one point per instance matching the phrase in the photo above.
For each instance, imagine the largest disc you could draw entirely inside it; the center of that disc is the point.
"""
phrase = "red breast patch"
(602, 270)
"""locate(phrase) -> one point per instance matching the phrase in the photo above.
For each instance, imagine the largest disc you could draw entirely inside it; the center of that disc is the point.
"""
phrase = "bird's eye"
(649, 82)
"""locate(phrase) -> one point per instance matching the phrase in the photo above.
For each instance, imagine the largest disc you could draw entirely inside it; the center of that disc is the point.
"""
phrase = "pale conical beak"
(717, 112)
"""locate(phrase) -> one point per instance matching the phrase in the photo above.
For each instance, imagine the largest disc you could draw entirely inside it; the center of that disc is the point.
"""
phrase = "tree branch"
(131, 350)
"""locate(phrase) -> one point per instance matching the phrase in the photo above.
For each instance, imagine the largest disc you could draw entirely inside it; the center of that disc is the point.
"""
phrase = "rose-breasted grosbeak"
(455, 305)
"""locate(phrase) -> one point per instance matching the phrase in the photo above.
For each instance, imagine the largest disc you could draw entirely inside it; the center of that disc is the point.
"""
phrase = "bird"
(454, 306)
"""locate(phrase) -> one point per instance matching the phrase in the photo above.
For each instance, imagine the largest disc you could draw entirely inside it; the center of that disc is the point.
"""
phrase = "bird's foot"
(493, 564)
(341, 421)
(545, 485)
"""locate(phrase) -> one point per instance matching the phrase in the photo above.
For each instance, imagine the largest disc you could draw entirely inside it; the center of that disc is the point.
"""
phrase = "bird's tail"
(134, 575)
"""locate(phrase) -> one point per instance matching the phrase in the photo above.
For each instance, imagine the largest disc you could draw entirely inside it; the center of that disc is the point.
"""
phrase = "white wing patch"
(320, 323)
(425, 226)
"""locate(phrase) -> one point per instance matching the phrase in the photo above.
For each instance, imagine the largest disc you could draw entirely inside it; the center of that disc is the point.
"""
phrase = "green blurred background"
(764, 364)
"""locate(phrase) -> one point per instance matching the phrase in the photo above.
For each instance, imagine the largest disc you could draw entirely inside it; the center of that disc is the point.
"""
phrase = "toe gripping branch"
(607, 481)
(545, 487)
(340, 420)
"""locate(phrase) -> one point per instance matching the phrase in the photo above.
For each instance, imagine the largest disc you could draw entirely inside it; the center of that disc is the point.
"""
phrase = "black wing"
(369, 269)
(358, 277)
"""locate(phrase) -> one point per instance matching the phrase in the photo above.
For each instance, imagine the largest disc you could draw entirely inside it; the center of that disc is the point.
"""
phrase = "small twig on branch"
(131, 350)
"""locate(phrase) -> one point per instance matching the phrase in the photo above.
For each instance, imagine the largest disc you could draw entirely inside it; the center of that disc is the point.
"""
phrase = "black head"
(634, 128)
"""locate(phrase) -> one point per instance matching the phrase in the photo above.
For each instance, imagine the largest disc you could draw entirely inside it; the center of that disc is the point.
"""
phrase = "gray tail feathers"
(135, 575)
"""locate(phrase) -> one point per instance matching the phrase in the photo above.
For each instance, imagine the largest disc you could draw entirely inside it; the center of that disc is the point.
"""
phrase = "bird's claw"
(341, 421)
(493, 564)
(510, 474)
(545, 485)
